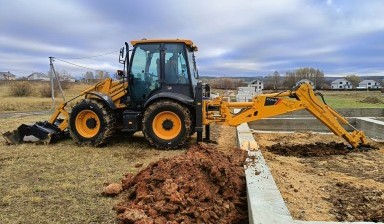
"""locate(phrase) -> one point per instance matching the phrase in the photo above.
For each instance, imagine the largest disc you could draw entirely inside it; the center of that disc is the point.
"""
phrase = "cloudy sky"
(235, 38)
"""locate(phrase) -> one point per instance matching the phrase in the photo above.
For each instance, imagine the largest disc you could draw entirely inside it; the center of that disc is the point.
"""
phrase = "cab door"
(144, 73)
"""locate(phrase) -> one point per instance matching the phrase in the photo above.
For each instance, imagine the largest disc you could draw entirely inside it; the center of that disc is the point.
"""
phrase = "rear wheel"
(91, 123)
(167, 124)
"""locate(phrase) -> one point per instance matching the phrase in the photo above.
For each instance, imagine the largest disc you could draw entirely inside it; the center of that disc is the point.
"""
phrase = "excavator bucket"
(39, 132)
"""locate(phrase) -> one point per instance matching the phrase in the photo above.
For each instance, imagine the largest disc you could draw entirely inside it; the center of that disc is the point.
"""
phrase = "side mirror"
(119, 74)
(122, 56)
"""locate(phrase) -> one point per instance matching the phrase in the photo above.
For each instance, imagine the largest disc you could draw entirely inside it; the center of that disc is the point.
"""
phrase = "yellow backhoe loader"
(159, 94)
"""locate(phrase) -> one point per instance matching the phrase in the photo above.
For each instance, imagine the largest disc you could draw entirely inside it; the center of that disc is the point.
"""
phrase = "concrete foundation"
(265, 203)
(353, 112)
(371, 127)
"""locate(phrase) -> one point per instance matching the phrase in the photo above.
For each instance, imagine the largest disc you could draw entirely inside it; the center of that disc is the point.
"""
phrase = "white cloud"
(240, 35)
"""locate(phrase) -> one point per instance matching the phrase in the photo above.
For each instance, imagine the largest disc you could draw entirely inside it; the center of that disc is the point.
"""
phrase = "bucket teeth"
(44, 132)
(12, 137)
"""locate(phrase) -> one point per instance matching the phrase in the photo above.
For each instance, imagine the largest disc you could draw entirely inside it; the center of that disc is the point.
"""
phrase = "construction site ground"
(63, 182)
(325, 181)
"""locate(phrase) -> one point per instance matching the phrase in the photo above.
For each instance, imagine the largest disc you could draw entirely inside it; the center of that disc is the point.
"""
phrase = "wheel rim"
(166, 125)
(87, 123)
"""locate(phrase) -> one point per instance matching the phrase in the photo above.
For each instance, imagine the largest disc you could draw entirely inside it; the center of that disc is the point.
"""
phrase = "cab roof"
(189, 43)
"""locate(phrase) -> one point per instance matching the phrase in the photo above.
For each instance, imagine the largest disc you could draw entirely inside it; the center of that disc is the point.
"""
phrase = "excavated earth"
(202, 186)
(321, 179)
(371, 99)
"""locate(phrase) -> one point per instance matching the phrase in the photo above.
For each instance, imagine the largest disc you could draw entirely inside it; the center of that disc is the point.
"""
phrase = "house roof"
(339, 80)
(364, 82)
(7, 74)
(39, 74)
(255, 80)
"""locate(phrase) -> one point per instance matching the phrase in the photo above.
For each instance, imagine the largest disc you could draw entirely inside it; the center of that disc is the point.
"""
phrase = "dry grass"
(61, 183)
(34, 102)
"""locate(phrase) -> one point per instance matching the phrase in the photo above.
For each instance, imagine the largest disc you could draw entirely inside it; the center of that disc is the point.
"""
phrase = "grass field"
(62, 183)
(351, 99)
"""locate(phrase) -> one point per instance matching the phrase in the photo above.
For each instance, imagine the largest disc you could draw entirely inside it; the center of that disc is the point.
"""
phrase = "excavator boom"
(302, 97)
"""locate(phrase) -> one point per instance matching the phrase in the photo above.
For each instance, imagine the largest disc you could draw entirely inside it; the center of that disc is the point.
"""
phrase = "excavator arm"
(270, 105)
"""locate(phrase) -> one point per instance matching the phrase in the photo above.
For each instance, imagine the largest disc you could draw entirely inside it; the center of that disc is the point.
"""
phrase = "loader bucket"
(39, 132)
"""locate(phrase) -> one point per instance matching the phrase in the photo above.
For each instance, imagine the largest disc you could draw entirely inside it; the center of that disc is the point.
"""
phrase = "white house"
(7, 76)
(369, 84)
(341, 84)
(67, 78)
(254, 88)
(38, 76)
(257, 84)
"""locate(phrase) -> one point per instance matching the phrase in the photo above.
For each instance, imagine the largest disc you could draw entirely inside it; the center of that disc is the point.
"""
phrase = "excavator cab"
(161, 67)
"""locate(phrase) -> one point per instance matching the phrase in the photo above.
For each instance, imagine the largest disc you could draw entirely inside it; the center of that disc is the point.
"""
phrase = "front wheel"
(91, 123)
(167, 124)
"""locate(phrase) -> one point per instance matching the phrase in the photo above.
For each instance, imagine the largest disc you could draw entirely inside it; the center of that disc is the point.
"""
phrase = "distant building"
(369, 84)
(247, 93)
(257, 84)
(38, 76)
(67, 78)
(306, 81)
(7, 76)
(341, 84)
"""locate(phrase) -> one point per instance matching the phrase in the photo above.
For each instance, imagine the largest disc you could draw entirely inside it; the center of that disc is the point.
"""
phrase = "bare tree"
(88, 77)
(312, 74)
(290, 79)
(353, 79)
(276, 80)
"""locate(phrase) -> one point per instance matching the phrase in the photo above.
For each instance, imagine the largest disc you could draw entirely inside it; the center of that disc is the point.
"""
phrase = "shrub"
(46, 91)
(65, 85)
(21, 89)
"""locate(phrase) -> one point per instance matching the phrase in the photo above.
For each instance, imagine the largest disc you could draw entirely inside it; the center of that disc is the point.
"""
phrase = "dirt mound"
(202, 186)
(317, 149)
(357, 203)
(371, 99)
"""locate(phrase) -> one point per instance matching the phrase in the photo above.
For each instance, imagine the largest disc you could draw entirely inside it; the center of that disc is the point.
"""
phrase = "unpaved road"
(23, 114)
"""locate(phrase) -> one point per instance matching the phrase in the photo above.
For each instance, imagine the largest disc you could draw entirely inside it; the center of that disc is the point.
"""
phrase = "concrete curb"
(265, 203)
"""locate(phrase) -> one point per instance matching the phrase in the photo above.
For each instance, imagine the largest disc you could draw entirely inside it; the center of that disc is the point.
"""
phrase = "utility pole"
(52, 84)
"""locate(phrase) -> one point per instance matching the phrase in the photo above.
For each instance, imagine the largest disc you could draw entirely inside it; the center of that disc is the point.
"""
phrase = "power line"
(80, 66)
(94, 56)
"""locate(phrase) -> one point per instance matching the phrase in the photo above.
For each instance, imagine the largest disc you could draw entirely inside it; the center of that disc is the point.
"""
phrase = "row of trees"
(225, 83)
(98, 75)
(276, 81)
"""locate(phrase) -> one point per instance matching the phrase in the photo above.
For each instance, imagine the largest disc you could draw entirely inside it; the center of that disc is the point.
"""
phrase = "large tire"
(167, 124)
(92, 123)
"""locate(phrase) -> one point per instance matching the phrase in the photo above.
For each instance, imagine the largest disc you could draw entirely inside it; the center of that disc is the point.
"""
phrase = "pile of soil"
(357, 203)
(318, 149)
(371, 99)
(203, 186)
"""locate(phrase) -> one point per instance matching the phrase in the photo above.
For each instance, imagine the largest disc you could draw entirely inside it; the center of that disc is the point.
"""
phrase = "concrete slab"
(372, 128)
(265, 203)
